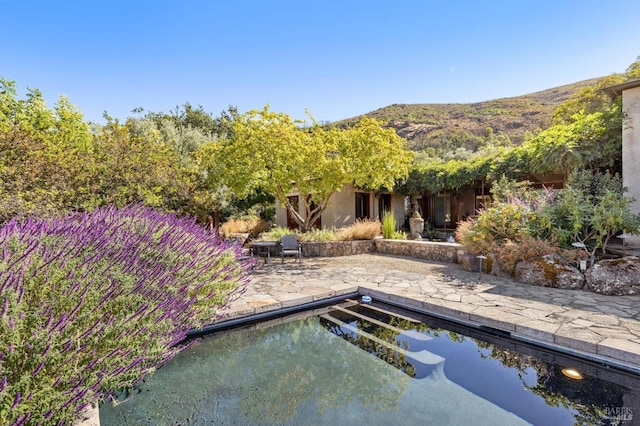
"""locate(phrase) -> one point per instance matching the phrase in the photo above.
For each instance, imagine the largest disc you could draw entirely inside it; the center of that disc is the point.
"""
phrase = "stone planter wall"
(430, 250)
(444, 252)
(336, 248)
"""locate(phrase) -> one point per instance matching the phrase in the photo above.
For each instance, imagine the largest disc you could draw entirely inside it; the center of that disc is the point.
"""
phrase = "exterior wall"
(281, 215)
(341, 210)
(631, 151)
(399, 209)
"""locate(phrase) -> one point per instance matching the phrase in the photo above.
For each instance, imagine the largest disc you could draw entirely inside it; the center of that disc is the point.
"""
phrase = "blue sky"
(338, 59)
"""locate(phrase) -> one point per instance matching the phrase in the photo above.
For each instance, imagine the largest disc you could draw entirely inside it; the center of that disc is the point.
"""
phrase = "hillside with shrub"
(446, 127)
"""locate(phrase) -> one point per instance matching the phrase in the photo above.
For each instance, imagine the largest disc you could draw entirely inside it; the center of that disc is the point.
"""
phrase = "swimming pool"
(354, 363)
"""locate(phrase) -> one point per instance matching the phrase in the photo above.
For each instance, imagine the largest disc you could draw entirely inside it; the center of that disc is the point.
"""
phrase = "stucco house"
(630, 92)
(346, 206)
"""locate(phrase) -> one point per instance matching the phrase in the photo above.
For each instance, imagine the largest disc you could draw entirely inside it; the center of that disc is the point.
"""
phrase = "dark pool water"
(375, 365)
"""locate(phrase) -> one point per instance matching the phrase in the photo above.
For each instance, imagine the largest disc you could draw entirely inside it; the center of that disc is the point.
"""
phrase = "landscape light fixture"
(572, 373)
(623, 237)
(583, 262)
(482, 259)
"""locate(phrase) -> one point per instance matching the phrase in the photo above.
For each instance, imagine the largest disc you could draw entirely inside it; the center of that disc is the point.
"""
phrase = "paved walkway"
(606, 327)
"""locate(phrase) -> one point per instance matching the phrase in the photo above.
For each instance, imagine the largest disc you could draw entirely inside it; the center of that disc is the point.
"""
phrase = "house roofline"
(615, 91)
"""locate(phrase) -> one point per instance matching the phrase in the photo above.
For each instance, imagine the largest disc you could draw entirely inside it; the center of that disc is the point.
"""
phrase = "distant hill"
(445, 127)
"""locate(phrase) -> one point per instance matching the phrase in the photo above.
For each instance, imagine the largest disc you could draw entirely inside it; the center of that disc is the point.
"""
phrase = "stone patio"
(605, 328)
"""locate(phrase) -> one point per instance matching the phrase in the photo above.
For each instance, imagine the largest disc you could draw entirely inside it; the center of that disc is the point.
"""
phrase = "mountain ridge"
(446, 127)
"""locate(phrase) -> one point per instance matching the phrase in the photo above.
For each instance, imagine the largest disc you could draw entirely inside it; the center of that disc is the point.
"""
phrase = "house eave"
(615, 91)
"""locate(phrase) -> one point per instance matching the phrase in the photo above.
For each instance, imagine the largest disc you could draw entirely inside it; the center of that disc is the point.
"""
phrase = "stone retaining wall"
(337, 248)
(444, 252)
(430, 250)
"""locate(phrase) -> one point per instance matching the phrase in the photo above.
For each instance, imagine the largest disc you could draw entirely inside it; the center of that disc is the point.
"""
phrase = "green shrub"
(475, 239)
(399, 235)
(526, 248)
(388, 225)
(325, 234)
(275, 234)
(523, 223)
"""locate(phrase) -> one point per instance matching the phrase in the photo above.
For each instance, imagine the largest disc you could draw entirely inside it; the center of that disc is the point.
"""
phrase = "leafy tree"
(279, 155)
(137, 169)
(188, 117)
(593, 208)
(586, 101)
(46, 157)
(210, 192)
(196, 137)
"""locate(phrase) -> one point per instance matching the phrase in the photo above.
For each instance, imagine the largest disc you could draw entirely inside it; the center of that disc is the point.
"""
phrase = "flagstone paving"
(604, 327)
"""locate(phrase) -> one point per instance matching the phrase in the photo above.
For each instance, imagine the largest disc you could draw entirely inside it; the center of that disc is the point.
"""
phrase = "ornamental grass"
(364, 229)
(91, 303)
(360, 230)
(248, 225)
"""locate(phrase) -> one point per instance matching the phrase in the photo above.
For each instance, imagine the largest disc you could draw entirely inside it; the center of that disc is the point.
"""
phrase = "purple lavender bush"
(91, 303)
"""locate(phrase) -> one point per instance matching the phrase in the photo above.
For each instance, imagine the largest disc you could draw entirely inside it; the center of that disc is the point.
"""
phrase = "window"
(483, 201)
(362, 205)
(442, 210)
(384, 204)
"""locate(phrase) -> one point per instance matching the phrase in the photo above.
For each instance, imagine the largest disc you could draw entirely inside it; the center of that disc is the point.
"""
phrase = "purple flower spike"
(16, 400)
(5, 307)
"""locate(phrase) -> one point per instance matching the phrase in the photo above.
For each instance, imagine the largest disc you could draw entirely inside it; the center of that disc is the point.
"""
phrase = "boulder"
(614, 276)
(494, 266)
(550, 270)
(490, 264)
(470, 262)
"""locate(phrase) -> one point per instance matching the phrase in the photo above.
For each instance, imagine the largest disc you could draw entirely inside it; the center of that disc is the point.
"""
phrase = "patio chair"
(290, 247)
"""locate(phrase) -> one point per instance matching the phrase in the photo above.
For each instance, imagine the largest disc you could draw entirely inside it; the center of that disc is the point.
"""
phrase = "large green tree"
(138, 169)
(195, 136)
(280, 156)
(46, 155)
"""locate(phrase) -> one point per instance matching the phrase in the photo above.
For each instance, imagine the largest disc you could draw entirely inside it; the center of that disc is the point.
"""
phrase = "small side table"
(263, 248)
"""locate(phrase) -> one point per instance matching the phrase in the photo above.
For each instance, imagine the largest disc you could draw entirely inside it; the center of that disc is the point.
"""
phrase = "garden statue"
(416, 225)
